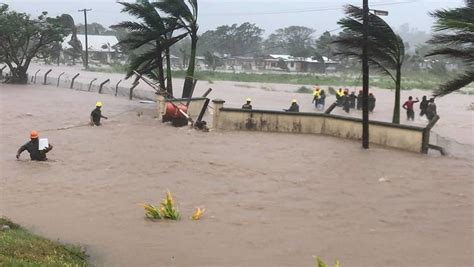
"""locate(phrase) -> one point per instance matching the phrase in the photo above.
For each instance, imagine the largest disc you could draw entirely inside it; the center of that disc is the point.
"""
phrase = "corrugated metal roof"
(96, 43)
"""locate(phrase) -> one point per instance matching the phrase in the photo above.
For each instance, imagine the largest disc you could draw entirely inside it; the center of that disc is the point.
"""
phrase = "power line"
(328, 8)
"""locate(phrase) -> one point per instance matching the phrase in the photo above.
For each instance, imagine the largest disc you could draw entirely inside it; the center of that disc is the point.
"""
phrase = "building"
(298, 64)
(102, 48)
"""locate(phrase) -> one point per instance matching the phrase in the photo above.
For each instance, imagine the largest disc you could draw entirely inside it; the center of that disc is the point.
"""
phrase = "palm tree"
(386, 50)
(185, 13)
(151, 36)
(456, 41)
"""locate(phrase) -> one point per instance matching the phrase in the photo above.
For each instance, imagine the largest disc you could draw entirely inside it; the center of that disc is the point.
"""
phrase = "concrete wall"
(387, 134)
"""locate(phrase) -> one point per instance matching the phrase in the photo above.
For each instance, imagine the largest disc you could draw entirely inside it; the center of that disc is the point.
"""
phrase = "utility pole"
(365, 77)
(86, 59)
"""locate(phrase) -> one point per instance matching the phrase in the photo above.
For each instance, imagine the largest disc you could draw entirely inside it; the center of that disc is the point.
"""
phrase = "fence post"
(426, 135)
(73, 78)
(35, 75)
(102, 84)
(1, 71)
(90, 84)
(131, 89)
(59, 77)
(46, 76)
(116, 87)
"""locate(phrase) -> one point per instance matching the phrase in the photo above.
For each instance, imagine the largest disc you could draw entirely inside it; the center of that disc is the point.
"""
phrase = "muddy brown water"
(271, 199)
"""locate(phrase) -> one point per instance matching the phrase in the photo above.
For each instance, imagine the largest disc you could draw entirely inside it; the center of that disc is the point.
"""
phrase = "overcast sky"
(268, 14)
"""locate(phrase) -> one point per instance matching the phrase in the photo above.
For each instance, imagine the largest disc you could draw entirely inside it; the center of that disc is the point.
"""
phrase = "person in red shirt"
(408, 105)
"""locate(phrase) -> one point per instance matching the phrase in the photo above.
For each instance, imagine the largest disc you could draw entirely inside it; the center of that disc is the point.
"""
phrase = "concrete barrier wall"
(387, 134)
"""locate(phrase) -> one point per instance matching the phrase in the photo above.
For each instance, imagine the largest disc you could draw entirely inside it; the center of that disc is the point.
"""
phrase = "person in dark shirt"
(352, 100)
(408, 105)
(294, 106)
(423, 106)
(431, 109)
(359, 100)
(346, 102)
(96, 115)
(371, 102)
(33, 148)
(247, 105)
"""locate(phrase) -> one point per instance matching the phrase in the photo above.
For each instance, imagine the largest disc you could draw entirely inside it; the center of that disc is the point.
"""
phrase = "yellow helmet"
(248, 99)
(293, 101)
(98, 104)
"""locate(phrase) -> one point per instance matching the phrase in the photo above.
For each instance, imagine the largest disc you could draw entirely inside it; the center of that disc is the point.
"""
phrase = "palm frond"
(454, 84)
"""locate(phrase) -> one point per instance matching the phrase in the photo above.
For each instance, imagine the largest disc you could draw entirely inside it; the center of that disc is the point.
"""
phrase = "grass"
(410, 80)
(19, 247)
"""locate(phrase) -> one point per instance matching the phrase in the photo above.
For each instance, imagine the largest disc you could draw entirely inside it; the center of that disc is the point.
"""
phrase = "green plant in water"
(167, 210)
(321, 263)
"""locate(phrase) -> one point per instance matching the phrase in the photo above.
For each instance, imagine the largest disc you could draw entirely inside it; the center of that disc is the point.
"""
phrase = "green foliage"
(321, 263)
(22, 37)
(294, 40)
(167, 209)
(455, 39)
(212, 60)
(386, 50)
(185, 15)
(18, 247)
(235, 40)
(152, 34)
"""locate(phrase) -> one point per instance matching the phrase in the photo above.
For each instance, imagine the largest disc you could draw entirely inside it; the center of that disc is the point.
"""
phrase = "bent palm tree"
(153, 35)
(185, 14)
(457, 42)
(386, 50)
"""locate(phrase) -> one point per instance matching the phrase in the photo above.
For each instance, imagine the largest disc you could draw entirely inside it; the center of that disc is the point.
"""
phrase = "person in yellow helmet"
(316, 96)
(247, 105)
(96, 114)
(33, 148)
(339, 97)
(294, 106)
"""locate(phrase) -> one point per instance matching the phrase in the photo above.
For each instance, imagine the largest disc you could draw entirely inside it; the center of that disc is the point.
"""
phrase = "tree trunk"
(169, 78)
(189, 81)
(18, 76)
(396, 108)
(161, 75)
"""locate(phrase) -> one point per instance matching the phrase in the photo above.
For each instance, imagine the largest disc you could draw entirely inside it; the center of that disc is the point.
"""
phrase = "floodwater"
(271, 199)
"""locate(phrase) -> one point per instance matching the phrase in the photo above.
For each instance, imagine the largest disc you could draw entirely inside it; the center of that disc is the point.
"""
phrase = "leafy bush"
(167, 210)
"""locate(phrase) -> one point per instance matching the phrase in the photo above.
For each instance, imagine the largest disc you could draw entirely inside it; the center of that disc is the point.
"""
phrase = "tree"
(324, 45)
(92, 29)
(21, 38)
(212, 60)
(386, 50)
(185, 13)
(294, 40)
(456, 38)
(235, 40)
(153, 35)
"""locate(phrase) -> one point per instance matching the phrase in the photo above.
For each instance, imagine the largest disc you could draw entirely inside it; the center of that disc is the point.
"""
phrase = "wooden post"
(46, 76)
(207, 92)
(426, 135)
(131, 89)
(102, 84)
(90, 84)
(34, 81)
(59, 77)
(116, 87)
(218, 104)
(331, 108)
(160, 106)
(72, 81)
(1, 71)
